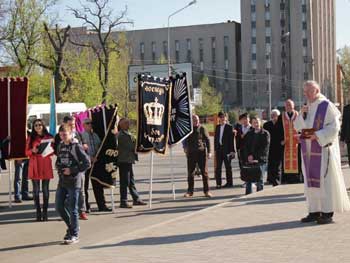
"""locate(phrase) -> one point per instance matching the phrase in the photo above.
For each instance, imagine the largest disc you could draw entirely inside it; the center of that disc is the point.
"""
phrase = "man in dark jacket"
(197, 149)
(126, 158)
(274, 127)
(224, 150)
(256, 151)
(345, 129)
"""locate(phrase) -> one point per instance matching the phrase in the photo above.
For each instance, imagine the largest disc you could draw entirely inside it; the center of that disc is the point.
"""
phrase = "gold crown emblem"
(154, 112)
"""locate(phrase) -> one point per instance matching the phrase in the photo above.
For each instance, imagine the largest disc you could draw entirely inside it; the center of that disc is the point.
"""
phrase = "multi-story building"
(285, 43)
(213, 49)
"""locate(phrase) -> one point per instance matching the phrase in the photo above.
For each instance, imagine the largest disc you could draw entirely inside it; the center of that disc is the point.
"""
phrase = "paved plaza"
(230, 227)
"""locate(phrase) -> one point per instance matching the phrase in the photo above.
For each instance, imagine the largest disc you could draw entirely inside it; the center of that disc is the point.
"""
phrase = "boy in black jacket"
(71, 163)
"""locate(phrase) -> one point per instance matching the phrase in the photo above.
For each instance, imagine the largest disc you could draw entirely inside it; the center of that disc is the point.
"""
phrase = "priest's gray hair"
(313, 84)
(276, 111)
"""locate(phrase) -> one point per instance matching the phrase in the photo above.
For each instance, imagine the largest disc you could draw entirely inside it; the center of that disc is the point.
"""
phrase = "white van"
(42, 111)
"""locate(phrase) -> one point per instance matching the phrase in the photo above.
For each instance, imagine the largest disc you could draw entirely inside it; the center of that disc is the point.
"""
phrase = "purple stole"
(313, 165)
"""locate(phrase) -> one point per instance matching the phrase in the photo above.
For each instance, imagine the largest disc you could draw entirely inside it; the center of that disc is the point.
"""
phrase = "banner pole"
(112, 200)
(172, 172)
(10, 184)
(151, 180)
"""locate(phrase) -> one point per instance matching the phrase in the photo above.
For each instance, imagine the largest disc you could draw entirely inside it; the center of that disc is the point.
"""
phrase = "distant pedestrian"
(3, 144)
(224, 150)
(345, 129)
(197, 149)
(20, 182)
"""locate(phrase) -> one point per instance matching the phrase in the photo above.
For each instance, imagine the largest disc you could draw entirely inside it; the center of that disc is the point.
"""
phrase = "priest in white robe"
(319, 123)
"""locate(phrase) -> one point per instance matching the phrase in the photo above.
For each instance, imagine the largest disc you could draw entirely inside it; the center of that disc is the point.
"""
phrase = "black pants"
(274, 170)
(221, 157)
(99, 194)
(126, 180)
(348, 147)
(199, 158)
(36, 194)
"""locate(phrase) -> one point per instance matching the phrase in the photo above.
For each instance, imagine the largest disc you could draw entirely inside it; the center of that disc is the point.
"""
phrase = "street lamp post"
(176, 12)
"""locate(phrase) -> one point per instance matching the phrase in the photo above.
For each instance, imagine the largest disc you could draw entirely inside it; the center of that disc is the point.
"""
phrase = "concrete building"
(213, 49)
(286, 42)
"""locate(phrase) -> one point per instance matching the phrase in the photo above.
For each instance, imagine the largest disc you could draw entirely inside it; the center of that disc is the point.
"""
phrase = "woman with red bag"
(40, 165)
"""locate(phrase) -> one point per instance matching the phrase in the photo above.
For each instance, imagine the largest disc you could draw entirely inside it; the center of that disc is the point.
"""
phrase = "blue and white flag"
(53, 115)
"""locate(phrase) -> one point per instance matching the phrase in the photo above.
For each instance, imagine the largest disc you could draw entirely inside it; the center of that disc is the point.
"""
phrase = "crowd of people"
(292, 147)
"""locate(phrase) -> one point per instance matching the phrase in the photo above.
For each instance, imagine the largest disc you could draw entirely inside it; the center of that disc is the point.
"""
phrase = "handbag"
(251, 172)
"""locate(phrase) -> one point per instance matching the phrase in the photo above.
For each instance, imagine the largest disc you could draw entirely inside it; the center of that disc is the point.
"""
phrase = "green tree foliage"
(344, 60)
(211, 100)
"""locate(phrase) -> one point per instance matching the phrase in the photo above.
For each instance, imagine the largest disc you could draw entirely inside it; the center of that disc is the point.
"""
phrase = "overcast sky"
(154, 13)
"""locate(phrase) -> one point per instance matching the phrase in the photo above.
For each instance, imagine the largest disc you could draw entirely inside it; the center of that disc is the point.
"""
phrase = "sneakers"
(187, 195)
(67, 235)
(83, 216)
(71, 240)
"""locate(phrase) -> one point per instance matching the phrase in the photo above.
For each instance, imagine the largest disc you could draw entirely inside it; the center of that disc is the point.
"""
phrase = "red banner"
(14, 108)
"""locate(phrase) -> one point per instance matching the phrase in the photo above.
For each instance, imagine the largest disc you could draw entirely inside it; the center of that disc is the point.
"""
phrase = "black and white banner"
(104, 170)
(153, 114)
(181, 117)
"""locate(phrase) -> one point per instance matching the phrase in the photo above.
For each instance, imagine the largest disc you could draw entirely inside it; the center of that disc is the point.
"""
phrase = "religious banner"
(290, 160)
(153, 121)
(13, 108)
(181, 117)
(104, 170)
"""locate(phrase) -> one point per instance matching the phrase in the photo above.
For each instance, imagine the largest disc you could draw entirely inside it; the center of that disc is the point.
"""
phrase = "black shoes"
(105, 209)
(139, 202)
(228, 186)
(27, 198)
(323, 220)
(311, 217)
(125, 205)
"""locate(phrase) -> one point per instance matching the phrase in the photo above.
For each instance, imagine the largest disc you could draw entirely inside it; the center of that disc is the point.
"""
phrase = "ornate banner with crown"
(154, 99)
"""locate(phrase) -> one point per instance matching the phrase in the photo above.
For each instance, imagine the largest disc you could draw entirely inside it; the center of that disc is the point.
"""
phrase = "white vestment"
(332, 195)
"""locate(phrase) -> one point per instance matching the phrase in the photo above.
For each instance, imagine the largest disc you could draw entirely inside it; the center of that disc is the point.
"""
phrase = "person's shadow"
(165, 240)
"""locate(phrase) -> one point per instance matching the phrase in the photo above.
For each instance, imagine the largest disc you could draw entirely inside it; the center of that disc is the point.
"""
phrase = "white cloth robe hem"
(332, 195)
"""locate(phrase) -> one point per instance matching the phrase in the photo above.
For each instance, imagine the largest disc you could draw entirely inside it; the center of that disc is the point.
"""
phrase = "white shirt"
(222, 128)
(245, 129)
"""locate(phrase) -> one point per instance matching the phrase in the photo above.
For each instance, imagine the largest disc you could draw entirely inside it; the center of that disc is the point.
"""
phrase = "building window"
(253, 40)
(226, 74)
(254, 64)
(252, 8)
(177, 51)
(226, 47)
(253, 16)
(253, 48)
(282, 6)
(267, 15)
(303, 7)
(254, 32)
(201, 51)
(268, 31)
(304, 25)
(306, 76)
(142, 51)
(189, 52)
(154, 51)
(165, 49)
(226, 64)
(283, 22)
(213, 50)
(267, 23)
(214, 77)
(268, 39)
(304, 42)
(254, 71)
(253, 23)
(253, 56)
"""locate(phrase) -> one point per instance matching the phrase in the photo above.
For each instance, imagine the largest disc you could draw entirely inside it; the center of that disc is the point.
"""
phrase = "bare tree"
(99, 19)
(23, 31)
(58, 39)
